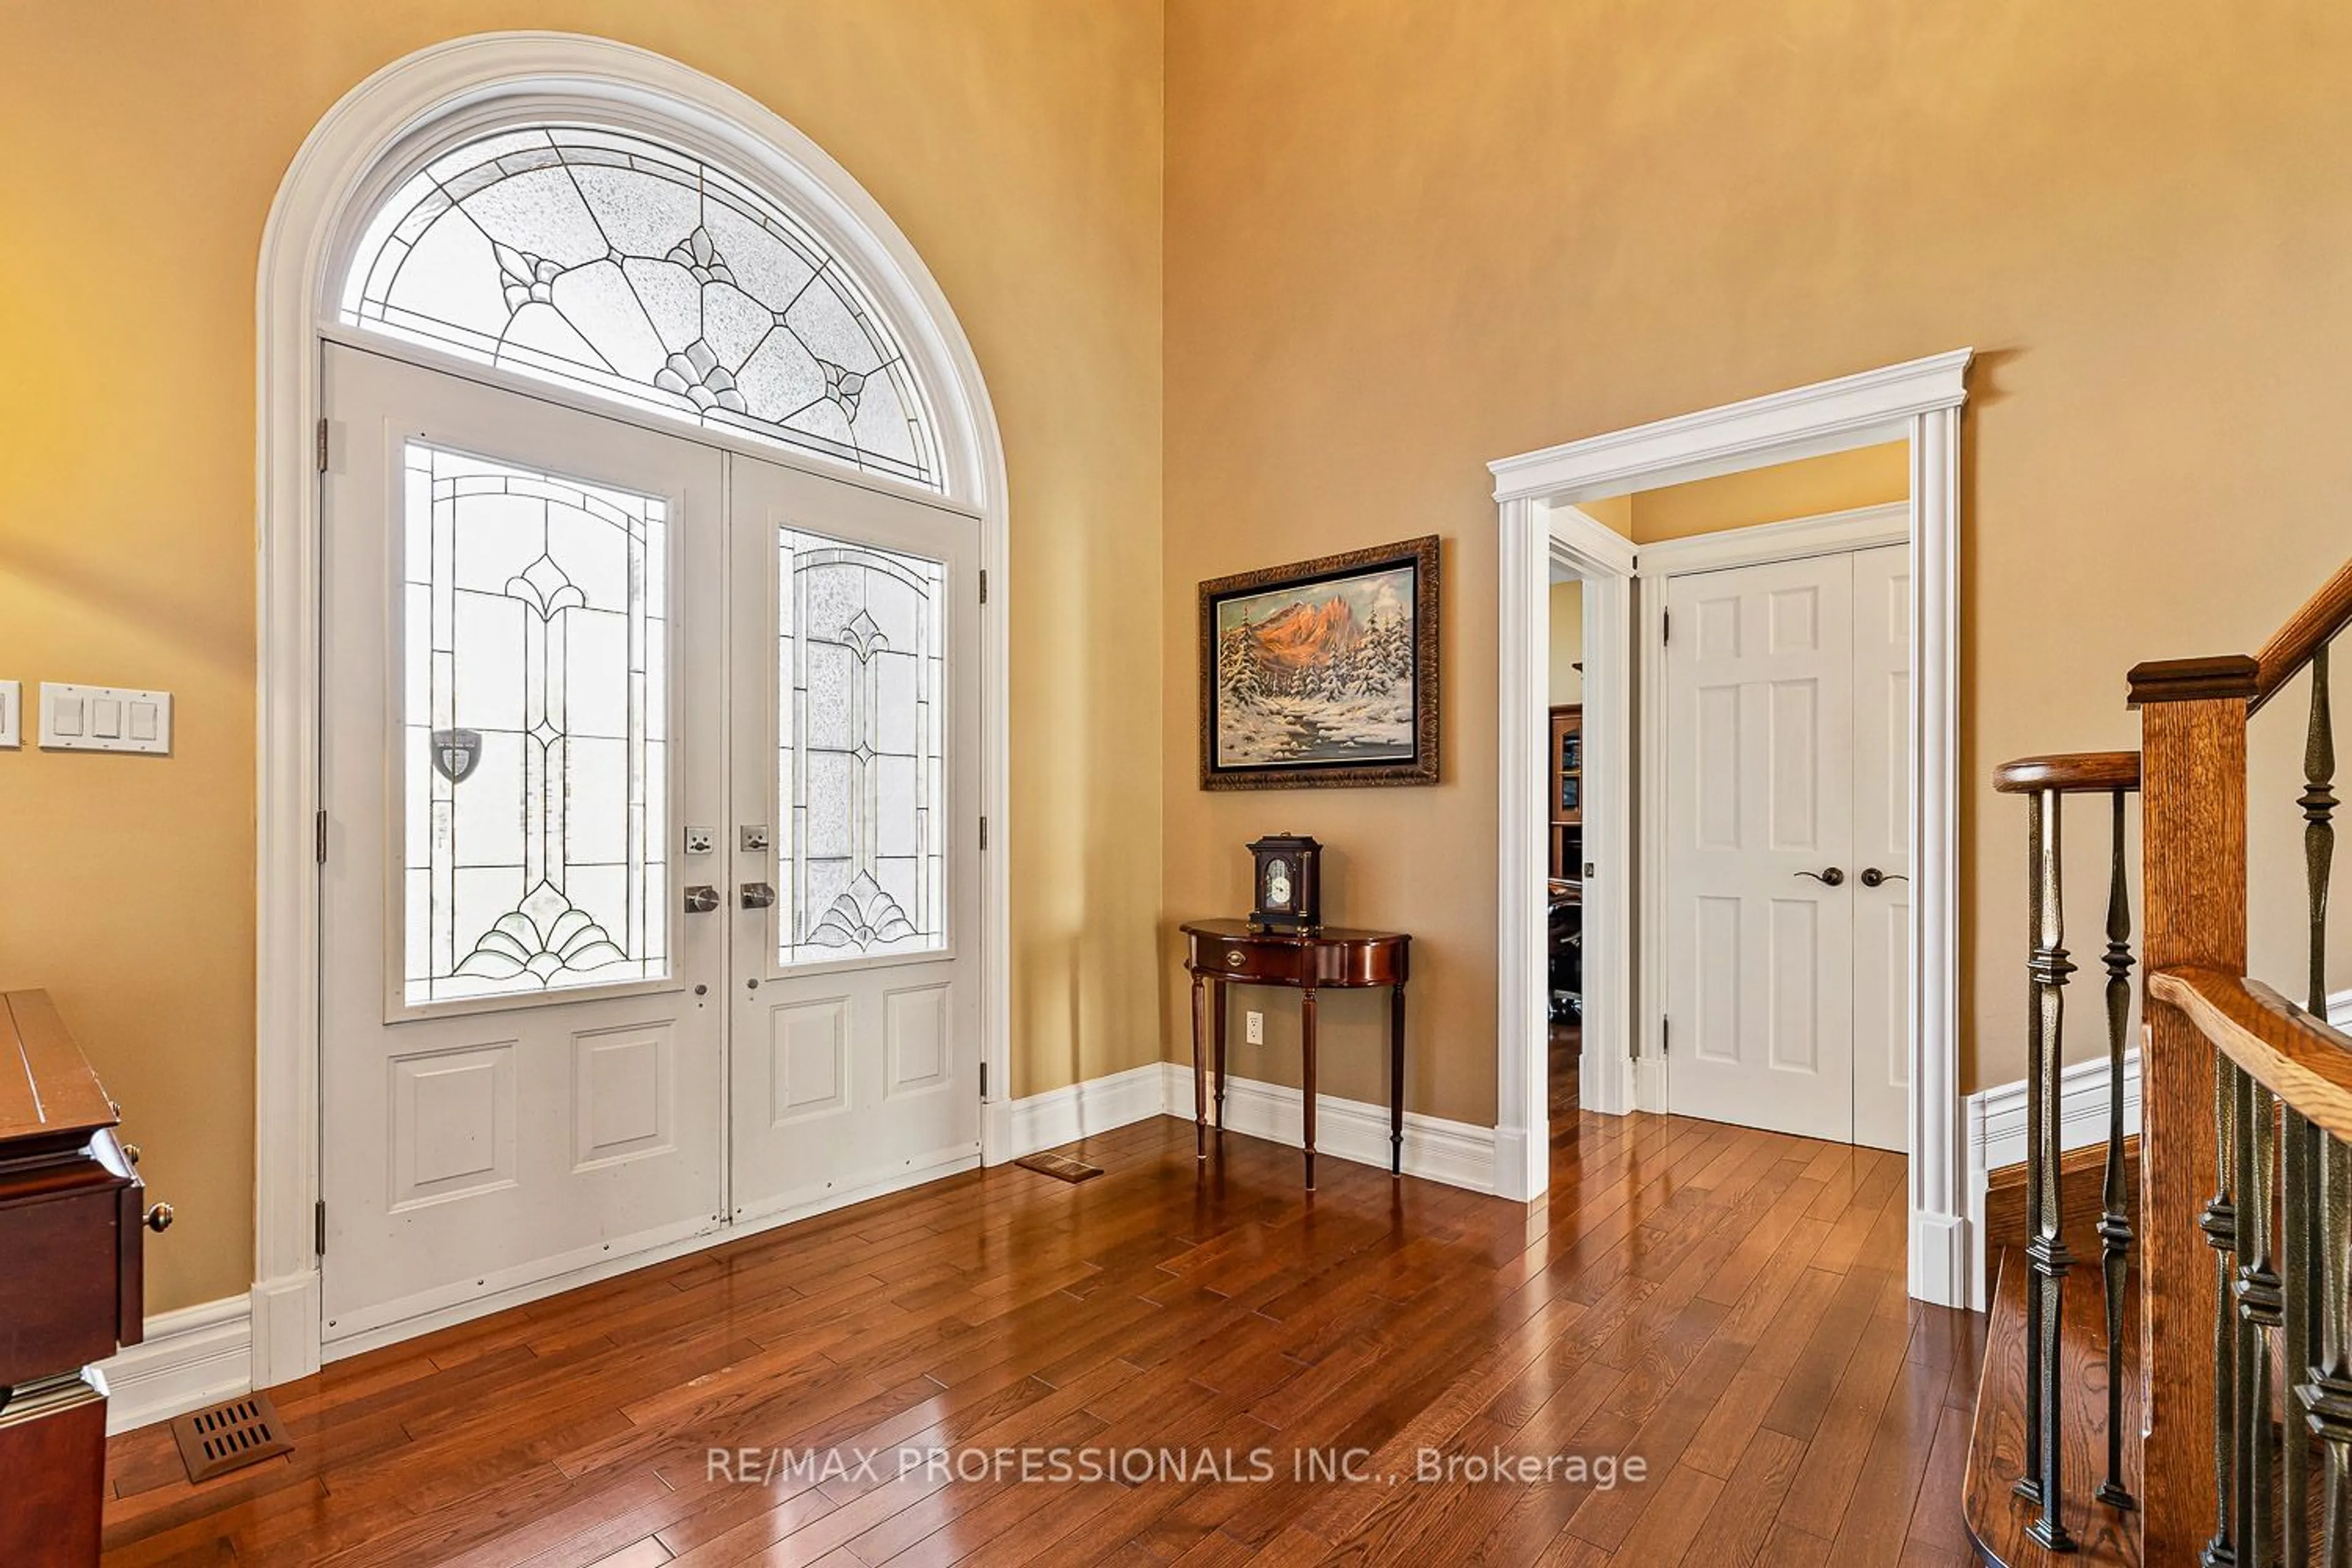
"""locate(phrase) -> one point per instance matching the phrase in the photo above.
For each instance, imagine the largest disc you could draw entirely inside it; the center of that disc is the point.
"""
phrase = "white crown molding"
(189, 1359)
(1831, 533)
(370, 138)
(1862, 410)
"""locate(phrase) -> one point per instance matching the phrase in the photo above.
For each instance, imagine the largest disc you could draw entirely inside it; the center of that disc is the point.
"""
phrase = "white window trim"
(1918, 402)
(362, 146)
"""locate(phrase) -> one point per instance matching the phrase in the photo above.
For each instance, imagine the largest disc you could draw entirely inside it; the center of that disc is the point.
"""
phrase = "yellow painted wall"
(1566, 681)
(1017, 143)
(1867, 476)
(1397, 249)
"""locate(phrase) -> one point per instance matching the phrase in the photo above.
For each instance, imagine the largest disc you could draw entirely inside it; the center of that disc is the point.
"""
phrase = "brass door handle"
(758, 896)
(701, 899)
(1873, 877)
(1831, 878)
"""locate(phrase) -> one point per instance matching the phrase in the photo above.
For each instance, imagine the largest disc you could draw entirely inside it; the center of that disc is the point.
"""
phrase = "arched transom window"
(608, 261)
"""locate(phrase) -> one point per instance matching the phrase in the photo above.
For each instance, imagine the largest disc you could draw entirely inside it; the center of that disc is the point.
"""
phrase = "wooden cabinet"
(71, 1273)
(1568, 794)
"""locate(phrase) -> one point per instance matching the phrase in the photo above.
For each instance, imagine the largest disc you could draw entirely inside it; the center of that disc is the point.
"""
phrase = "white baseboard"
(1081, 1110)
(2339, 1010)
(1996, 1127)
(1453, 1152)
(189, 1359)
(1940, 1269)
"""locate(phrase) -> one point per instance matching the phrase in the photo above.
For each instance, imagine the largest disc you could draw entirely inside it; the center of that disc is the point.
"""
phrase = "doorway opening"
(1565, 858)
(1546, 498)
(704, 288)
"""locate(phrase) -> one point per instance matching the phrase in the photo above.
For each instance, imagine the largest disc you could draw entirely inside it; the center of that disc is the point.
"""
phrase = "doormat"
(230, 1435)
(1061, 1167)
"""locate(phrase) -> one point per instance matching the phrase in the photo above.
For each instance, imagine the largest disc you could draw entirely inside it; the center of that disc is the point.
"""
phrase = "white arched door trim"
(367, 141)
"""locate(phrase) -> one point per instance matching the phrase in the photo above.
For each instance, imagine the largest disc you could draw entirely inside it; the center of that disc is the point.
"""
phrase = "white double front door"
(649, 878)
(1787, 906)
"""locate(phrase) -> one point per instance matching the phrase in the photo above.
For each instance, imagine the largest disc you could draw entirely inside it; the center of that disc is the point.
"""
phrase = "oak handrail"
(2301, 1059)
(2073, 772)
(2307, 631)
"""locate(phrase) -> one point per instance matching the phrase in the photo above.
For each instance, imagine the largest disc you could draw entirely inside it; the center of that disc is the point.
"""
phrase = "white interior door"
(1787, 755)
(520, 1042)
(855, 911)
(1759, 823)
(1881, 844)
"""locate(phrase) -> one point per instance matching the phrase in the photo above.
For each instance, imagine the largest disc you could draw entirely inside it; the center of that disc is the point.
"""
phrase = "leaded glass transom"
(614, 263)
(861, 774)
(533, 718)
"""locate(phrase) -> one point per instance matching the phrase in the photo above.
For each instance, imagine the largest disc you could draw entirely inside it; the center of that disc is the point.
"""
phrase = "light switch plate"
(105, 719)
(12, 714)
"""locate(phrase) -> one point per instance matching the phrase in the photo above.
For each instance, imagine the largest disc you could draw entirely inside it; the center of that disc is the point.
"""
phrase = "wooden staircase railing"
(2242, 1249)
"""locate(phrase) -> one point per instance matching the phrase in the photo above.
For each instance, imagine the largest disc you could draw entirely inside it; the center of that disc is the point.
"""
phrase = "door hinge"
(983, 585)
(983, 1080)
(984, 833)
(319, 1229)
(1666, 1035)
(318, 835)
(322, 445)
(1665, 625)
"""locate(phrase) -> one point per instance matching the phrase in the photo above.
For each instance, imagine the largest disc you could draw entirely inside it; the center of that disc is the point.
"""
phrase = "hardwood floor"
(1726, 1305)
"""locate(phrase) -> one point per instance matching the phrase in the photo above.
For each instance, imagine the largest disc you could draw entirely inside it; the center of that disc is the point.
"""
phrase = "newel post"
(2193, 795)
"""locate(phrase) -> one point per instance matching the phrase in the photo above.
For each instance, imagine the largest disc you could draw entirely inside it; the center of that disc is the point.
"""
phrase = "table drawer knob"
(1235, 957)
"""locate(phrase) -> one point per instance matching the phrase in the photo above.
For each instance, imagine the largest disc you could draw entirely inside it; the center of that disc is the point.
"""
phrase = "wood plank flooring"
(1995, 1514)
(1725, 1304)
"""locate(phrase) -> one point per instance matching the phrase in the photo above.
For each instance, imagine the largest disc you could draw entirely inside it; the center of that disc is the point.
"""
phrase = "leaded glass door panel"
(857, 1041)
(521, 1057)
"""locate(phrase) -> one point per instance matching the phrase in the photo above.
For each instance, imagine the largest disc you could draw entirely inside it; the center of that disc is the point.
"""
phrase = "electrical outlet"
(1254, 1028)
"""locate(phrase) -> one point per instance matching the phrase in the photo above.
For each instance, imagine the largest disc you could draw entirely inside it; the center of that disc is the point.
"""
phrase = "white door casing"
(1918, 402)
(1760, 821)
(1882, 846)
(521, 1061)
(856, 1045)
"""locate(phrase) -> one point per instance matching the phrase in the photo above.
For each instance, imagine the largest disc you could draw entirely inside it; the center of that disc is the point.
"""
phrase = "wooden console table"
(1219, 954)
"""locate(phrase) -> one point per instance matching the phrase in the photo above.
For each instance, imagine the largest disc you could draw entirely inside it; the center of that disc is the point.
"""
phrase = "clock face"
(1278, 883)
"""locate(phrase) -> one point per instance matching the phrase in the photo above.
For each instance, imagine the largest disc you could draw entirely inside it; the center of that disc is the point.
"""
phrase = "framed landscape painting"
(1324, 672)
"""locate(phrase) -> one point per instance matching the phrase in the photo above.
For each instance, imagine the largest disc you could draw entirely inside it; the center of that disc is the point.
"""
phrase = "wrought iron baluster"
(2298, 1162)
(2115, 1218)
(2045, 1307)
(2318, 803)
(2326, 1397)
(2259, 1305)
(2220, 1225)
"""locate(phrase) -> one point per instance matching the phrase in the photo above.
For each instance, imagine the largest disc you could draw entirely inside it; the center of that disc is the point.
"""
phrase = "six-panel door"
(1787, 791)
